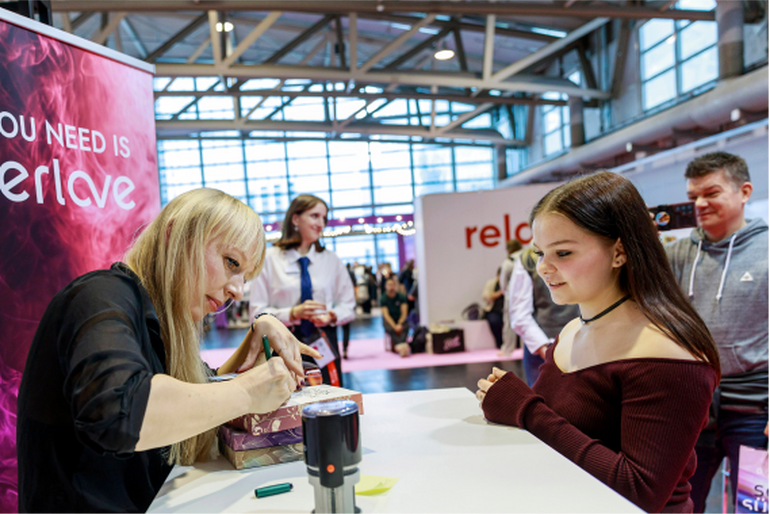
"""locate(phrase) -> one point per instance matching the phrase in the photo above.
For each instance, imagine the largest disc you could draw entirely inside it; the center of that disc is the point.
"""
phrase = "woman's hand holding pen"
(283, 344)
(265, 388)
(484, 385)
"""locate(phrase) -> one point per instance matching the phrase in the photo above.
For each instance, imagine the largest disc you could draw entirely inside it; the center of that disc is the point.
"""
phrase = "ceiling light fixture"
(228, 27)
(444, 54)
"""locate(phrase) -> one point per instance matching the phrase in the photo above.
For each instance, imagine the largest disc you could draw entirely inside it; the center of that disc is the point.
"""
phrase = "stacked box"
(256, 440)
(289, 415)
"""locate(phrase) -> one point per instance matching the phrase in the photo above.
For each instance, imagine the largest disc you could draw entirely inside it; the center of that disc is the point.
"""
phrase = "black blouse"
(83, 396)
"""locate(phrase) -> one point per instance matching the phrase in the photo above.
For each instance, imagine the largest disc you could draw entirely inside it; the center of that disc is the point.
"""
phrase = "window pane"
(179, 158)
(387, 246)
(660, 89)
(430, 155)
(174, 191)
(356, 180)
(472, 154)
(351, 248)
(223, 172)
(350, 214)
(236, 188)
(552, 121)
(396, 194)
(274, 169)
(167, 106)
(389, 155)
(309, 184)
(658, 59)
(553, 142)
(314, 166)
(264, 150)
(696, 37)
(429, 189)
(303, 149)
(221, 152)
(269, 195)
(654, 31)
(433, 174)
(215, 107)
(351, 198)
(181, 175)
(390, 210)
(392, 177)
(700, 69)
(475, 185)
(697, 5)
(305, 109)
(474, 171)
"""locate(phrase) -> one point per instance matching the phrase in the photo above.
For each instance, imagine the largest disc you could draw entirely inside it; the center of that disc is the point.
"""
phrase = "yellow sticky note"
(370, 485)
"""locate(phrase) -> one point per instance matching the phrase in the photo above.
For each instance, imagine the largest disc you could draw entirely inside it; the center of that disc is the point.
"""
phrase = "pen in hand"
(266, 345)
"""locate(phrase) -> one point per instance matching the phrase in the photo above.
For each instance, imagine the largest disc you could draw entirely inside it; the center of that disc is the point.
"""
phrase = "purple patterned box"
(241, 440)
(289, 416)
(262, 456)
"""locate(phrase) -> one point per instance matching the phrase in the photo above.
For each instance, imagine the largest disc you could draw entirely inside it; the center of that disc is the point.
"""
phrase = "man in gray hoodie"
(723, 268)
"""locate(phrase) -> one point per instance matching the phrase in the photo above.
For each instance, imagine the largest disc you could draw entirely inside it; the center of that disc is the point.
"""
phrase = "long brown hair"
(609, 205)
(169, 259)
(290, 237)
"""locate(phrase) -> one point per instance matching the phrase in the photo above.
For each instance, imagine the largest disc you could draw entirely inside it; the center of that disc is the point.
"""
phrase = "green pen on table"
(266, 344)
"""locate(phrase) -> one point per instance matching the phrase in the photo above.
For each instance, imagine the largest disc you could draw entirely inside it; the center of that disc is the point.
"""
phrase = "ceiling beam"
(84, 17)
(340, 42)
(418, 48)
(129, 28)
(462, 118)
(176, 38)
(301, 38)
(455, 79)
(467, 26)
(249, 40)
(548, 50)
(266, 93)
(108, 29)
(400, 40)
(353, 40)
(489, 48)
(479, 7)
(180, 127)
(621, 52)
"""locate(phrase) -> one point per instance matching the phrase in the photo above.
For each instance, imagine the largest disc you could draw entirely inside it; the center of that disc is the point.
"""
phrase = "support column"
(576, 131)
(729, 15)
(502, 162)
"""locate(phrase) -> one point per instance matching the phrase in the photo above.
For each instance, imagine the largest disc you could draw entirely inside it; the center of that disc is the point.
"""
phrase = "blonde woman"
(114, 391)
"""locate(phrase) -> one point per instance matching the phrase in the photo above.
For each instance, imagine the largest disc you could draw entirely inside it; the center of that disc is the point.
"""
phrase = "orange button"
(330, 468)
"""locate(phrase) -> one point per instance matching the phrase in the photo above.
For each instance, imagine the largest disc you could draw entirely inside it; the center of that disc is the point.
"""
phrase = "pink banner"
(78, 179)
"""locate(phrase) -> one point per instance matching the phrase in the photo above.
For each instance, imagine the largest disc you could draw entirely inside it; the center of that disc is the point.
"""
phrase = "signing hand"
(485, 384)
(266, 387)
(283, 344)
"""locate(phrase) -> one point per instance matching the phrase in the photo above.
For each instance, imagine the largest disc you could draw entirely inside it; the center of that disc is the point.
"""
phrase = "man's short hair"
(735, 168)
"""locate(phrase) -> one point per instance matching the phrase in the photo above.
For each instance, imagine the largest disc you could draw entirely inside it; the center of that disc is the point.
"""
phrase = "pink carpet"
(364, 354)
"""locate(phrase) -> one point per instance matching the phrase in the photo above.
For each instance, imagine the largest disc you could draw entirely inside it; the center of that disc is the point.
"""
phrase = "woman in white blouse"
(303, 284)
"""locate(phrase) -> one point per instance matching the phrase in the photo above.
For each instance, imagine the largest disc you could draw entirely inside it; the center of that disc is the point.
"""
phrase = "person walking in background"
(625, 389)
(394, 312)
(303, 284)
(510, 338)
(346, 326)
(115, 393)
(532, 312)
(493, 308)
(722, 267)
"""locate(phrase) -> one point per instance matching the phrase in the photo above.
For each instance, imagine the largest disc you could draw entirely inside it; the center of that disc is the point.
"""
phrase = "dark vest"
(548, 315)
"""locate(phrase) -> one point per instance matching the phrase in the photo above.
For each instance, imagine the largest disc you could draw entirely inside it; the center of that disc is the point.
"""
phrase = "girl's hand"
(485, 384)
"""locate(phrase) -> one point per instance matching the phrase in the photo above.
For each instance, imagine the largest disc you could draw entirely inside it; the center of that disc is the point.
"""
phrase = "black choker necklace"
(605, 311)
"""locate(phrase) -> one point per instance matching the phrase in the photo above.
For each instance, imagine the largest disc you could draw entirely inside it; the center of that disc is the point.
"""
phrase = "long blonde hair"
(169, 259)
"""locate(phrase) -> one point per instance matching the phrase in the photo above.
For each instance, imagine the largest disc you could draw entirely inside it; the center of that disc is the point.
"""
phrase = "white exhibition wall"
(460, 243)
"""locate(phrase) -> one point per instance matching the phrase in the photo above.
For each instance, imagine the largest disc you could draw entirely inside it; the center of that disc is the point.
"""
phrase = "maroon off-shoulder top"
(631, 423)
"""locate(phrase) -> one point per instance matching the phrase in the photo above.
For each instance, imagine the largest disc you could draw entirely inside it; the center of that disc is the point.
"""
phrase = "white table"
(436, 442)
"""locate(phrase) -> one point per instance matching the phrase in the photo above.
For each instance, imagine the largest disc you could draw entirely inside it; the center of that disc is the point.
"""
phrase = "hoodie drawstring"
(727, 264)
(692, 273)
